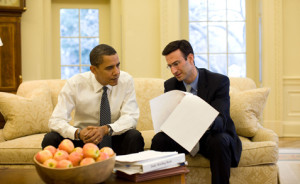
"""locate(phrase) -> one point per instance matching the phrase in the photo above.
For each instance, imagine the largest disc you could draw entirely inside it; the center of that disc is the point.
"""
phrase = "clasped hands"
(93, 134)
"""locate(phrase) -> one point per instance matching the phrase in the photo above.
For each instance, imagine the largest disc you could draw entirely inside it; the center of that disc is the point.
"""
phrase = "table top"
(13, 175)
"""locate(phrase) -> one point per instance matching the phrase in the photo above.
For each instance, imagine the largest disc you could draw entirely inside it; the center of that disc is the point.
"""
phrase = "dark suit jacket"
(214, 89)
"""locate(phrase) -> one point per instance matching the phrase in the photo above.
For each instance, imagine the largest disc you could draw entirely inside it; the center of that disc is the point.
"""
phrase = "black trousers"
(130, 141)
(215, 147)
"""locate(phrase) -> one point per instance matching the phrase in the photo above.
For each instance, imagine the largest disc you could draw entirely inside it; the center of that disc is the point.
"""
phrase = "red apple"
(66, 145)
(51, 148)
(75, 158)
(50, 163)
(78, 149)
(102, 156)
(87, 161)
(61, 155)
(64, 164)
(43, 155)
(108, 150)
(90, 150)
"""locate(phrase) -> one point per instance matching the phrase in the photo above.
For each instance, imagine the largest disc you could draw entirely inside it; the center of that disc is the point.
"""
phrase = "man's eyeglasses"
(175, 64)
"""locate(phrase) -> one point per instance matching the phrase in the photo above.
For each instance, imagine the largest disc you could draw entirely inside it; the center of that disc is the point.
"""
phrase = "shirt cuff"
(71, 132)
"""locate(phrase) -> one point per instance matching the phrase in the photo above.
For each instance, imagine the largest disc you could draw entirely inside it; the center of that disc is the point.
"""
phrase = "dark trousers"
(130, 141)
(215, 147)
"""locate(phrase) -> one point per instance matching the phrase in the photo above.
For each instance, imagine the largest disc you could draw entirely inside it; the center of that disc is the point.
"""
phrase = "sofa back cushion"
(241, 84)
(147, 89)
(55, 86)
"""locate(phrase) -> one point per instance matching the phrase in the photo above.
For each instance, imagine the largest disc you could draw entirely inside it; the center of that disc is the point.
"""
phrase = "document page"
(163, 105)
(185, 122)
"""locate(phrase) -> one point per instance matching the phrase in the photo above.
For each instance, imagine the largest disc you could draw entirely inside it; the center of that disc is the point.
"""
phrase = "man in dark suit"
(220, 143)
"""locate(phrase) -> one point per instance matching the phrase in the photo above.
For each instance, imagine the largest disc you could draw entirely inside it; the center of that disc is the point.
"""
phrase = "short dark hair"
(183, 45)
(96, 55)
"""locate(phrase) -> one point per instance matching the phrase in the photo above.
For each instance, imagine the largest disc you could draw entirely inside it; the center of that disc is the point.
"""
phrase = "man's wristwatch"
(110, 130)
(78, 135)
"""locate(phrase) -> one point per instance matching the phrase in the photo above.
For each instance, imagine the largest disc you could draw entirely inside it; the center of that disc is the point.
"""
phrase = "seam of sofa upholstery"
(275, 146)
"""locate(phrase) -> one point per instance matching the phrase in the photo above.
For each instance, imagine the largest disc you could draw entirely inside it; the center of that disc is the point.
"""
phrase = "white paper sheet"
(162, 106)
(144, 155)
(184, 117)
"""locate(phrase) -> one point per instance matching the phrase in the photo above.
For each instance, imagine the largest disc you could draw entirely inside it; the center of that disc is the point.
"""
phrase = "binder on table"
(148, 161)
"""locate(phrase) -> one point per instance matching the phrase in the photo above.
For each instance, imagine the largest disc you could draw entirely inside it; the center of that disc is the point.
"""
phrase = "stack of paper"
(148, 165)
(148, 161)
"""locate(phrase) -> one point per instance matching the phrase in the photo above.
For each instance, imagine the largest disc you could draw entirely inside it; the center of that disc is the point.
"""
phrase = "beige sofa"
(27, 114)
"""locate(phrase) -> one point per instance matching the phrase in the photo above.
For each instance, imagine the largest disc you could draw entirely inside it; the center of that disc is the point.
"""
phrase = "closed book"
(152, 164)
(154, 174)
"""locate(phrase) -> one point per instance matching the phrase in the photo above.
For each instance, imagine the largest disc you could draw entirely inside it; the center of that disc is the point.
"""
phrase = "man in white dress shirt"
(83, 93)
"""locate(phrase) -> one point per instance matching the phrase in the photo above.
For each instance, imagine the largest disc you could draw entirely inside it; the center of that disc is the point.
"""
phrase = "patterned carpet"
(289, 154)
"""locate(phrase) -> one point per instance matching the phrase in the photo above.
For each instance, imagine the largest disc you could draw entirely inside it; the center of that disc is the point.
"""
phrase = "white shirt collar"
(97, 86)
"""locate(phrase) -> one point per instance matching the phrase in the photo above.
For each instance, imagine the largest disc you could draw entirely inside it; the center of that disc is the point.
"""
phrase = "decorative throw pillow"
(26, 116)
(246, 109)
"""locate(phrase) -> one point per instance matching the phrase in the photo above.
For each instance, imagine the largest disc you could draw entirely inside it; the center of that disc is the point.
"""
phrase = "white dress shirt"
(83, 93)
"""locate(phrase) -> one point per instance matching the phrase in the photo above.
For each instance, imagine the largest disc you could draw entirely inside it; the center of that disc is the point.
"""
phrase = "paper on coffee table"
(182, 116)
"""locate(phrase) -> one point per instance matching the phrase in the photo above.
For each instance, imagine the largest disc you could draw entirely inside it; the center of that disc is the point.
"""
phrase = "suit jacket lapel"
(180, 86)
(202, 86)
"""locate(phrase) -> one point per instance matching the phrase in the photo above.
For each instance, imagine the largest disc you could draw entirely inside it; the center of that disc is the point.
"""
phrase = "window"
(217, 32)
(79, 34)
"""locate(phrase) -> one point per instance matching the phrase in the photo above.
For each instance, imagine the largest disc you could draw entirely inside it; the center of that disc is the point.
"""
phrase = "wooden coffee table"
(12, 175)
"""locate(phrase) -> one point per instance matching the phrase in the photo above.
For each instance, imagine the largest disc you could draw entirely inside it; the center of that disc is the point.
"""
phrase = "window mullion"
(207, 33)
(227, 43)
(79, 40)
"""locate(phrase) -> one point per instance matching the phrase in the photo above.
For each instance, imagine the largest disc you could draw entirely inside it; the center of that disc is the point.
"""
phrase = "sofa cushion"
(20, 150)
(246, 108)
(26, 116)
(146, 89)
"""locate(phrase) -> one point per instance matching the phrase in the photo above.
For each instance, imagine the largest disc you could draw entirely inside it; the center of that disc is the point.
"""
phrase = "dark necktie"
(105, 117)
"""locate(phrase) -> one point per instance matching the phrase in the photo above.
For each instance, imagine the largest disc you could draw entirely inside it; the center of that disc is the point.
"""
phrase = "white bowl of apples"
(74, 165)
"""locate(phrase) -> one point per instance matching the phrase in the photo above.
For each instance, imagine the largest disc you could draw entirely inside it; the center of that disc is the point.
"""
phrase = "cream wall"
(141, 28)
(141, 40)
(291, 68)
(32, 31)
(135, 33)
(291, 41)
(281, 49)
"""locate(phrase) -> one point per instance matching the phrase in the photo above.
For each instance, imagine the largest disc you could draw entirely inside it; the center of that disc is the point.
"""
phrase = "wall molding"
(169, 29)
(290, 128)
(291, 111)
(291, 80)
(272, 62)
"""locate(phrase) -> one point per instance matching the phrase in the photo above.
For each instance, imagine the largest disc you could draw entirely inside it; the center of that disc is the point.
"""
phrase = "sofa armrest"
(264, 134)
